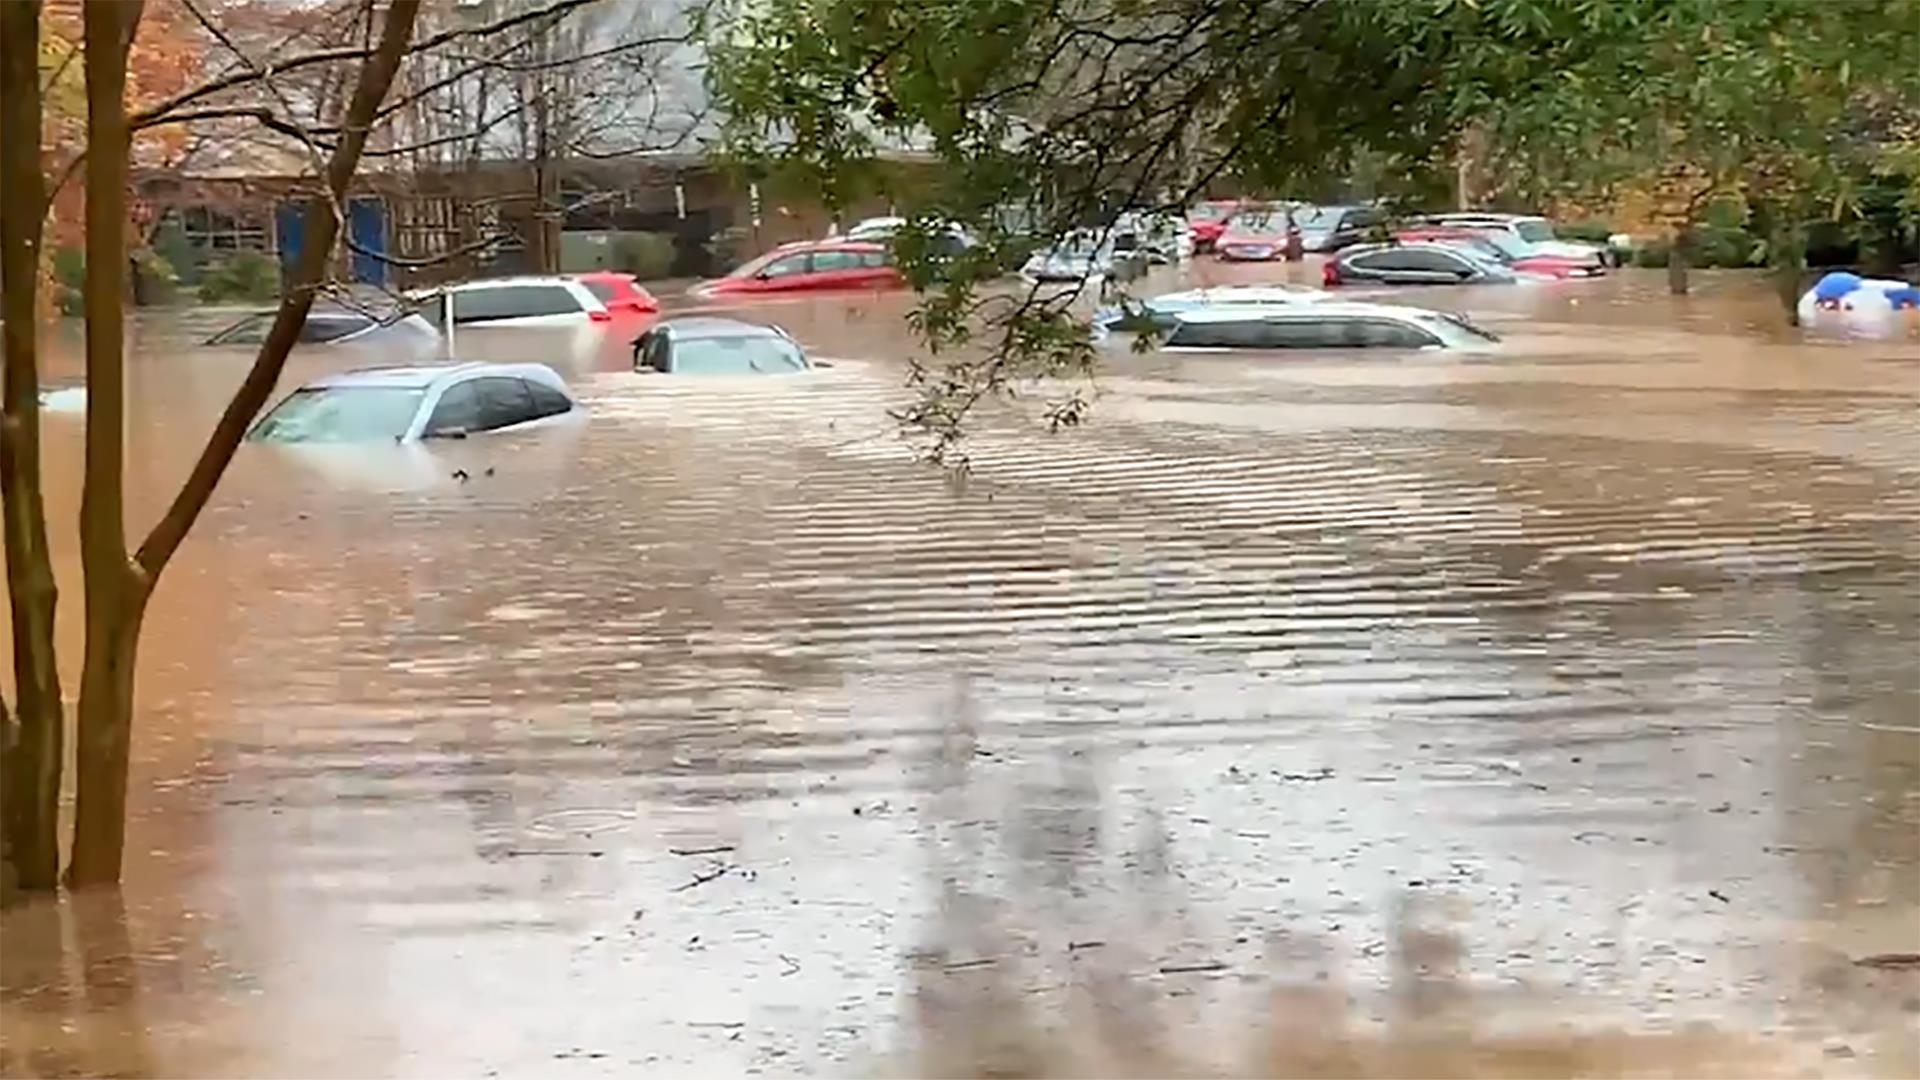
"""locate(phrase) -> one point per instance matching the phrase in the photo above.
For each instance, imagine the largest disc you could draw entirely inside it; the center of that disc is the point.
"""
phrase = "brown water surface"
(1291, 708)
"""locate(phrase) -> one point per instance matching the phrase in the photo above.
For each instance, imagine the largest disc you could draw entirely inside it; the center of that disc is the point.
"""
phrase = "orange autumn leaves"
(167, 57)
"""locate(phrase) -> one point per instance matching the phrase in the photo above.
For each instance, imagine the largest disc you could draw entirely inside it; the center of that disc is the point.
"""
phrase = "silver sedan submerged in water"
(407, 404)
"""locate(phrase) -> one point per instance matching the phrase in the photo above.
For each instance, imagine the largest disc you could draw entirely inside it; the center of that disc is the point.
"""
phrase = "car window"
(754, 355)
(1444, 262)
(1256, 334)
(658, 347)
(873, 259)
(458, 411)
(602, 289)
(1534, 232)
(332, 327)
(340, 414)
(513, 302)
(1363, 218)
(503, 402)
(835, 260)
(1385, 334)
(1393, 259)
(787, 267)
(547, 401)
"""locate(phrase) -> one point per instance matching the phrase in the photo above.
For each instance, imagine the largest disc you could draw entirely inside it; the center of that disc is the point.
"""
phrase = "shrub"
(248, 275)
(154, 281)
(1727, 248)
(1653, 254)
(645, 255)
(70, 267)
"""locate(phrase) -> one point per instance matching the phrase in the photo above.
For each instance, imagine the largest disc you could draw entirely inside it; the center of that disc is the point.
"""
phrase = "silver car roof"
(424, 376)
(711, 326)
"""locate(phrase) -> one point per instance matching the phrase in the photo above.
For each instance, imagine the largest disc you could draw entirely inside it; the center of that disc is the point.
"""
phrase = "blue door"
(367, 225)
(289, 231)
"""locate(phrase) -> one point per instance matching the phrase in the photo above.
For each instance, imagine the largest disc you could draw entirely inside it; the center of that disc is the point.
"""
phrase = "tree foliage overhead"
(1069, 109)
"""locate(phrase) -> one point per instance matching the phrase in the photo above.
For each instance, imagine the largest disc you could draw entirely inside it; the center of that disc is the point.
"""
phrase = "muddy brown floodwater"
(1549, 711)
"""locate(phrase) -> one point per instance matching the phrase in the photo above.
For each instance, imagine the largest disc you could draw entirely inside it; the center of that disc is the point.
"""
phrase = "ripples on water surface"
(1574, 683)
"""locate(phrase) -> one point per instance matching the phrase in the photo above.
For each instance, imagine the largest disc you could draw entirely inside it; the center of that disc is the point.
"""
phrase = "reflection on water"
(1340, 714)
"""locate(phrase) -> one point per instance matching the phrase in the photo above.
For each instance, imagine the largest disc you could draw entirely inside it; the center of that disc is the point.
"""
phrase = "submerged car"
(1326, 325)
(1161, 311)
(1082, 256)
(1162, 238)
(534, 301)
(712, 346)
(331, 326)
(1330, 228)
(1420, 263)
(1207, 220)
(809, 265)
(947, 239)
(1506, 249)
(405, 404)
(1532, 228)
(620, 293)
(1255, 235)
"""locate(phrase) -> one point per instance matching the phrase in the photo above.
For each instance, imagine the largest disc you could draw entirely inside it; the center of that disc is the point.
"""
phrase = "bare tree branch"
(158, 113)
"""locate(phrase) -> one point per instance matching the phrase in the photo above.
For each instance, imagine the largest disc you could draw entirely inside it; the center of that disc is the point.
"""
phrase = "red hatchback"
(621, 293)
(809, 265)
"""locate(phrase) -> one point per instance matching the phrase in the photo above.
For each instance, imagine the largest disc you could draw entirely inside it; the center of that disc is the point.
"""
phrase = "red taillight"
(1330, 273)
(602, 315)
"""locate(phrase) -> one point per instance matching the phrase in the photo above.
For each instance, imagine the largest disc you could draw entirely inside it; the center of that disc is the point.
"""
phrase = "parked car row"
(1251, 230)
(412, 402)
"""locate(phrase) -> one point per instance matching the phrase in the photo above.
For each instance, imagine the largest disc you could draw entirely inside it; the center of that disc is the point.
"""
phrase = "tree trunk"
(115, 598)
(30, 741)
(117, 590)
(1679, 256)
(1787, 259)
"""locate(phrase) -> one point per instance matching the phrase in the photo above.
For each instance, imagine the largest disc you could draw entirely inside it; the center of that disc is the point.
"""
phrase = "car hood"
(1568, 249)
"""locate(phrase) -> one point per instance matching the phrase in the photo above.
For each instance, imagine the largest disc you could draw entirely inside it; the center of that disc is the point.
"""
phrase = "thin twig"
(702, 879)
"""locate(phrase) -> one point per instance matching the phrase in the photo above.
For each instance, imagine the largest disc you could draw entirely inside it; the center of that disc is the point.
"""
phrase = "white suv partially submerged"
(512, 301)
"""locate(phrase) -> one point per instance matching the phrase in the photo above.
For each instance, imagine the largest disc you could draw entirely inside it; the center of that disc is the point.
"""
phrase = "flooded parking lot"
(1289, 712)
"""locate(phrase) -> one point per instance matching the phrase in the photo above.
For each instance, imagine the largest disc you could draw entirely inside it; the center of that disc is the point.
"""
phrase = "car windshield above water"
(321, 326)
(320, 414)
(1533, 230)
(1259, 223)
(745, 355)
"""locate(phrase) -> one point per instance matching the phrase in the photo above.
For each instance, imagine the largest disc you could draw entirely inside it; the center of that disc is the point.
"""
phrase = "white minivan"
(513, 301)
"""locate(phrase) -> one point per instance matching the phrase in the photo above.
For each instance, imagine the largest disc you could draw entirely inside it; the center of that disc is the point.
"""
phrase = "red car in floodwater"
(621, 293)
(809, 265)
(1207, 220)
(1509, 251)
